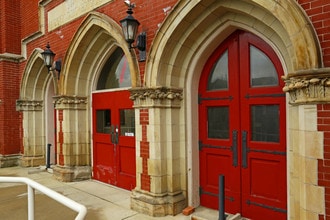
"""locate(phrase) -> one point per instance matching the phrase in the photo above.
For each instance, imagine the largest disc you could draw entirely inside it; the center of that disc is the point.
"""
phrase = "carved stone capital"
(70, 102)
(308, 86)
(29, 105)
(162, 97)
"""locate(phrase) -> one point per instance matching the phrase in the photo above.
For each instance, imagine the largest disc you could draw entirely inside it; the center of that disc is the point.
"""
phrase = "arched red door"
(242, 129)
(114, 124)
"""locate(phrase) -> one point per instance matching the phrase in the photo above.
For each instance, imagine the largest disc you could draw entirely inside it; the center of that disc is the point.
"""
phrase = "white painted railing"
(32, 185)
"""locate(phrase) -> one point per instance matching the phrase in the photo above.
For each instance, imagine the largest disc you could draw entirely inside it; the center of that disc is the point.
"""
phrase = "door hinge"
(275, 209)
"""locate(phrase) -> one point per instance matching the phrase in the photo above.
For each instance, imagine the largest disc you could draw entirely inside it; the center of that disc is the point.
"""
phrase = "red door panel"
(114, 139)
(104, 168)
(210, 182)
(252, 152)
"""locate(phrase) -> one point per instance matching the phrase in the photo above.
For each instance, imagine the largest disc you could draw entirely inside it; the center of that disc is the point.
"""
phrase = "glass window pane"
(265, 123)
(218, 79)
(218, 122)
(127, 122)
(115, 72)
(103, 121)
(263, 72)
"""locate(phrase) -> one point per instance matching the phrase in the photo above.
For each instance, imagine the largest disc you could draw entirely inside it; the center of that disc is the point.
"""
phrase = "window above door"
(115, 73)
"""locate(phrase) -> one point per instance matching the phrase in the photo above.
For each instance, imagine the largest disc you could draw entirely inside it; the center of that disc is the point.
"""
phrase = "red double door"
(114, 139)
(242, 131)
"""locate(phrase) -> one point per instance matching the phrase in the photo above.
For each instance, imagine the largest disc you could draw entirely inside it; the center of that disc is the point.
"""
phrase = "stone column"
(307, 90)
(33, 132)
(160, 152)
(73, 139)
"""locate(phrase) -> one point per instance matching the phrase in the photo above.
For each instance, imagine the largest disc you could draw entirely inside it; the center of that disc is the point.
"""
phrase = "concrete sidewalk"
(102, 201)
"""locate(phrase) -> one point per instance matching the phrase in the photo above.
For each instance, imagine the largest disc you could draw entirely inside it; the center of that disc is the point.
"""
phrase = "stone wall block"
(313, 145)
(157, 167)
(174, 183)
(158, 184)
(312, 198)
(308, 167)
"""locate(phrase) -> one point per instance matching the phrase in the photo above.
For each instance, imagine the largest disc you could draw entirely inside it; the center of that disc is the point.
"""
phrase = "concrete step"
(202, 213)
(228, 217)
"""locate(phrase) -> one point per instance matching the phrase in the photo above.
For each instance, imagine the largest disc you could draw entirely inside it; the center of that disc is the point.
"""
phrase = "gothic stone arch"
(96, 38)
(179, 51)
(31, 103)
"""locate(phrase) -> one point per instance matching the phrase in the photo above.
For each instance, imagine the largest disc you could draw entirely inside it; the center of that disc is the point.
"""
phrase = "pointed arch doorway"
(114, 125)
(242, 131)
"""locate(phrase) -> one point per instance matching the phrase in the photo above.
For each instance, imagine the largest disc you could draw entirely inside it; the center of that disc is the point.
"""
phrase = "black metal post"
(48, 156)
(222, 197)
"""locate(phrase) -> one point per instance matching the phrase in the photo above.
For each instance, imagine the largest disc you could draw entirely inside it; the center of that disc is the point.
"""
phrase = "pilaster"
(160, 188)
(73, 139)
(33, 133)
(306, 146)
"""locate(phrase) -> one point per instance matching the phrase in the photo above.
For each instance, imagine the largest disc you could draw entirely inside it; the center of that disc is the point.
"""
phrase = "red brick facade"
(10, 75)
(144, 152)
(319, 13)
(324, 165)
(21, 28)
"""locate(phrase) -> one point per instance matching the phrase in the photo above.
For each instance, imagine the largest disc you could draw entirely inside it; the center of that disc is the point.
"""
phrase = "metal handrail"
(32, 185)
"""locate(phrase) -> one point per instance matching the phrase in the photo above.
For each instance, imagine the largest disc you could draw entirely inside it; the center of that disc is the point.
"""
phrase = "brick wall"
(323, 121)
(144, 149)
(10, 121)
(319, 13)
(10, 24)
(60, 138)
(30, 18)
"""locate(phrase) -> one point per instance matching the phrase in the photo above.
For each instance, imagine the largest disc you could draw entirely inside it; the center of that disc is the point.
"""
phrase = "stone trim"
(15, 58)
(32, 161)
(70, 102)
(308, 86)
(29, 105)
(9, 160)
(157, 97)
(157, 205)
(70, 174)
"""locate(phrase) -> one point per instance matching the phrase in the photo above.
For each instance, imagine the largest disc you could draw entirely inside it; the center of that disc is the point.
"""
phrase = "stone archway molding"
(191, 24)
(182, 45)
(31, 103)
(96, 38)
(93, 43)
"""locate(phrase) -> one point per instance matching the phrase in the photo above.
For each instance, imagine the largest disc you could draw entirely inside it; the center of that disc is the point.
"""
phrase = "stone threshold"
(202, 213)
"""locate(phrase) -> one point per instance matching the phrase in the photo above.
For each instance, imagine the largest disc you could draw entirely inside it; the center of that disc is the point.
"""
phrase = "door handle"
(244, 149)
(113, 140)
(234, 148)
(114, 134)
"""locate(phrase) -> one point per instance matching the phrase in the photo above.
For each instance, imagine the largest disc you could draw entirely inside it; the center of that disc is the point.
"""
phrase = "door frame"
(91, 119)
(191, 106)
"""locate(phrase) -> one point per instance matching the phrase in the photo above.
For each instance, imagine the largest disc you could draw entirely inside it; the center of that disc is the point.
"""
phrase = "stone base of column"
(33, 161)
(9, 160)
(69, 174)
(157, 205)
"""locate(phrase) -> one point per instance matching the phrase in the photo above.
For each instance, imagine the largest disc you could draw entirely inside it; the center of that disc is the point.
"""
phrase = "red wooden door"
(242, 129)
(114, 139)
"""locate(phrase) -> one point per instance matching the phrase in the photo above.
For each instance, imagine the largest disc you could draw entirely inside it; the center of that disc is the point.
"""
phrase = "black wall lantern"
(130, 27)
(48, 56)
